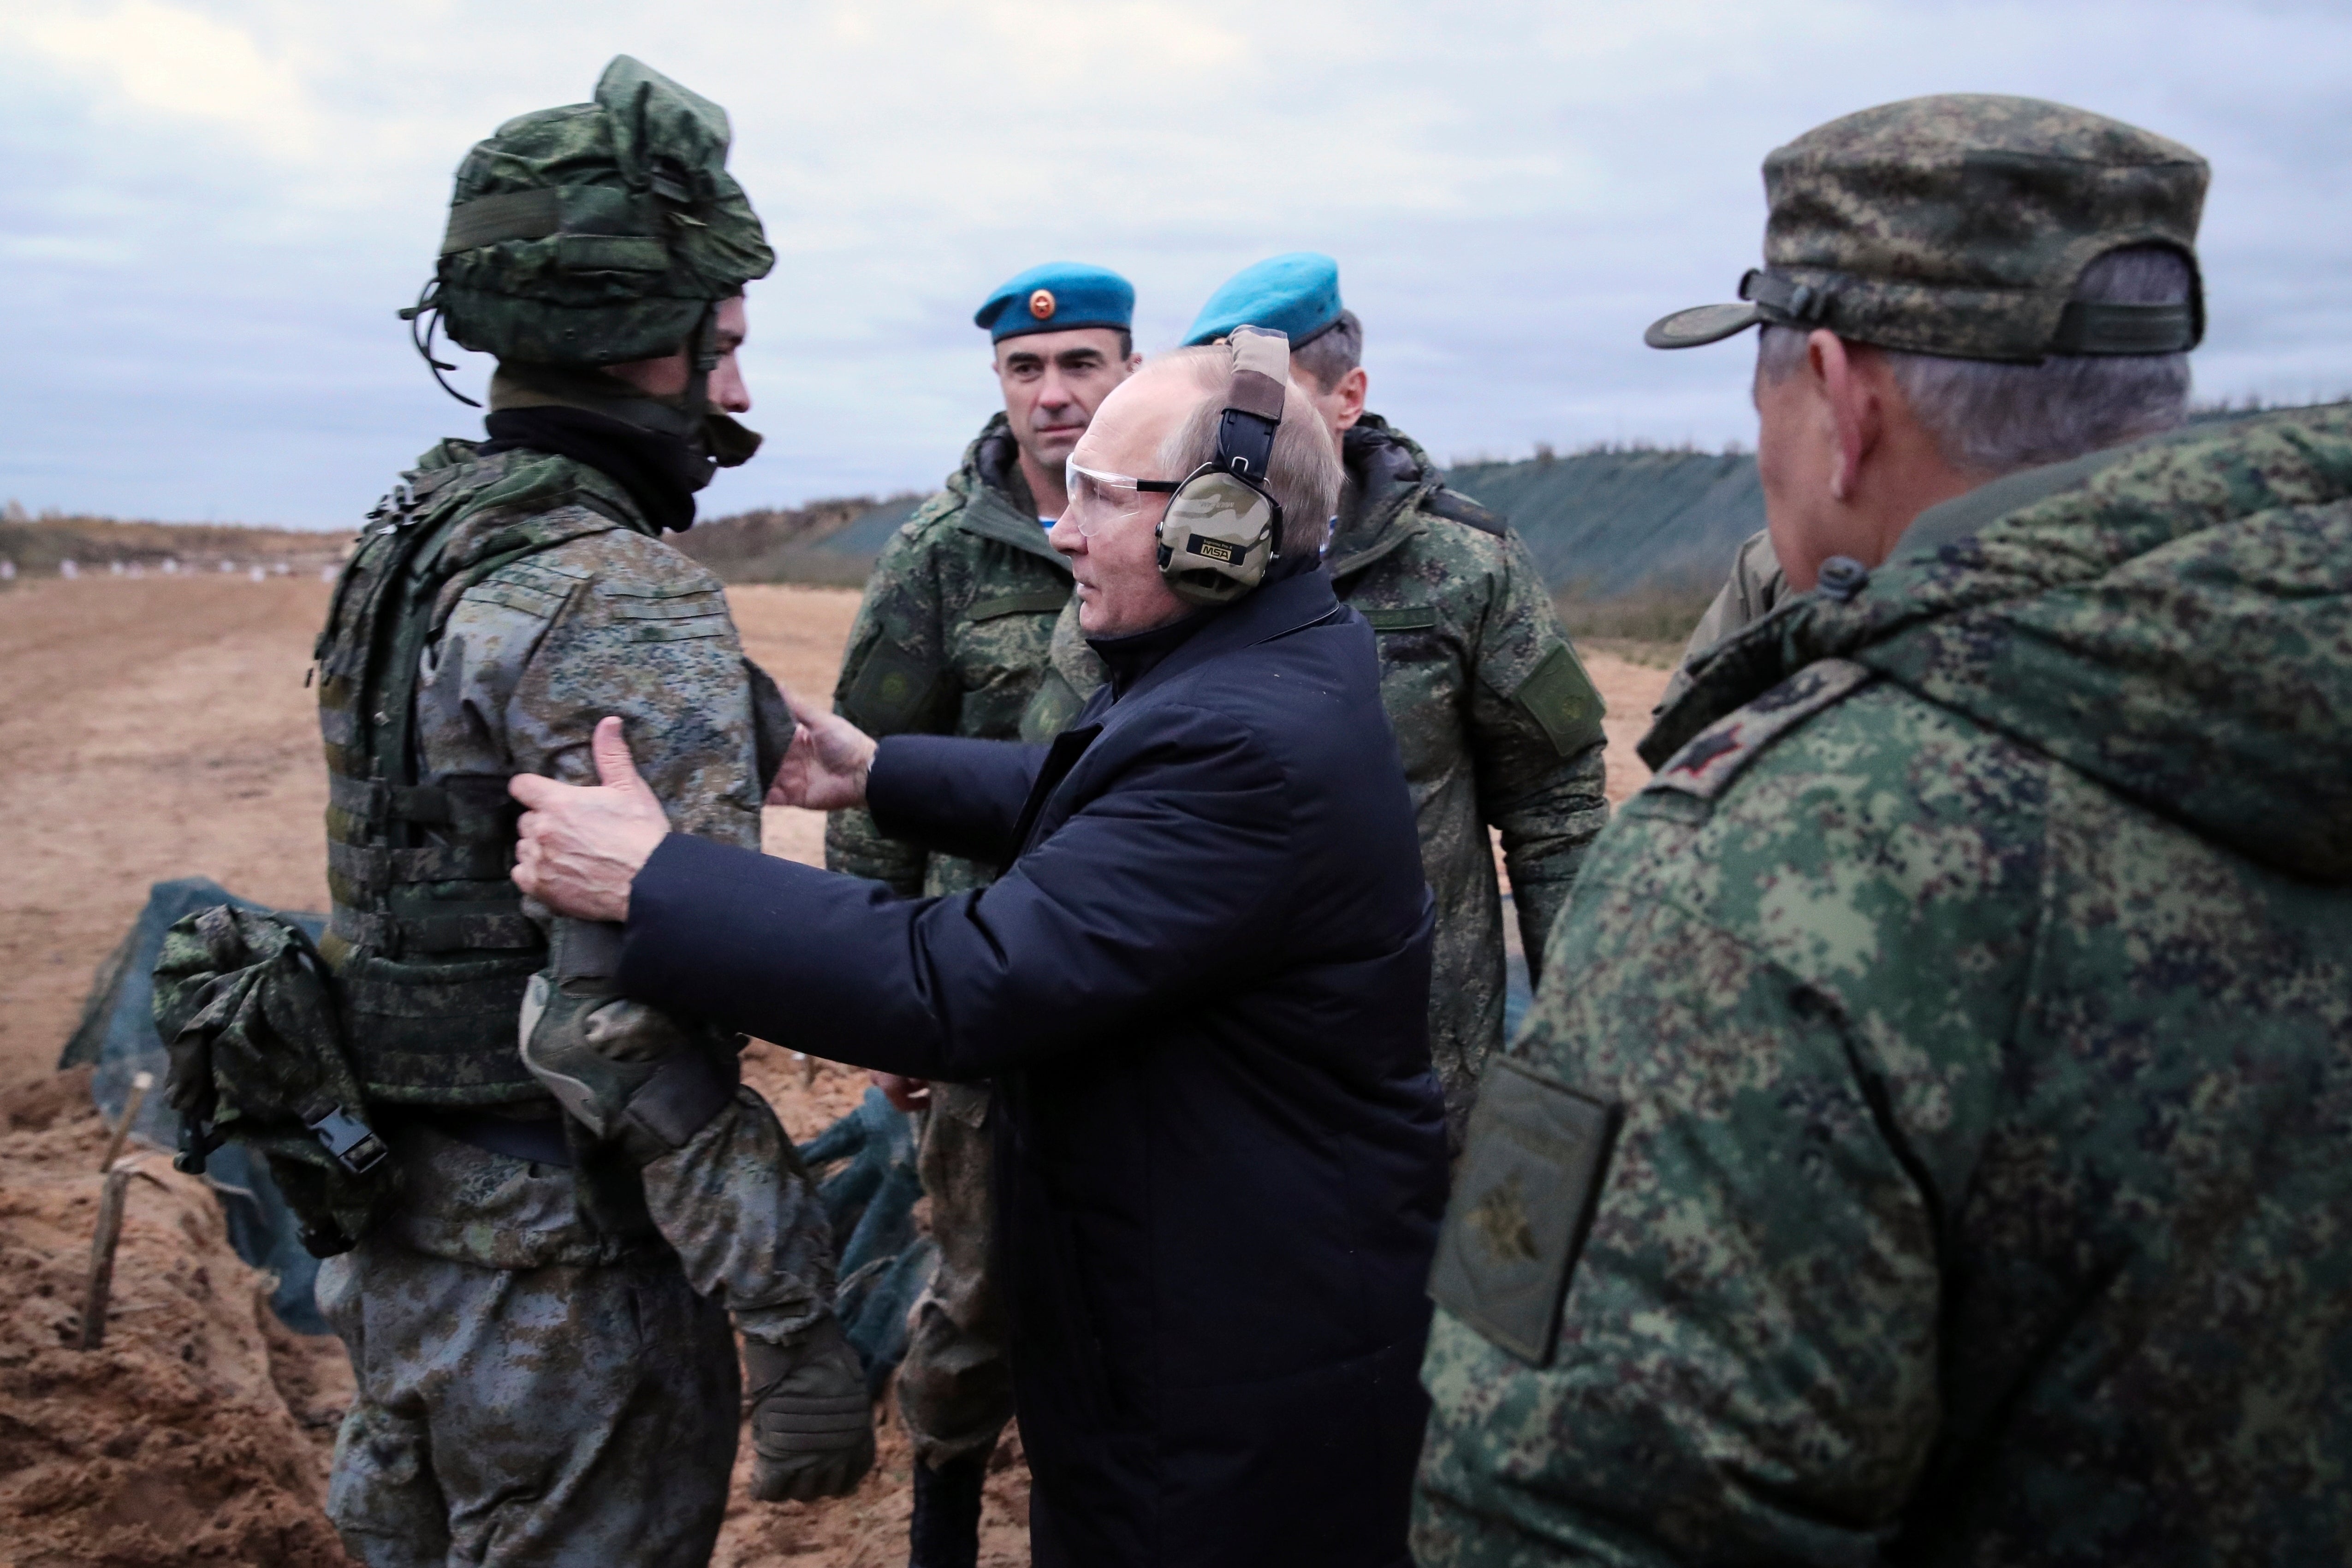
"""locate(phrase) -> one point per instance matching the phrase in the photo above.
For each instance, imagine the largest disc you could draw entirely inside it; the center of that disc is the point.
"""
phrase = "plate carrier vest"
(427, 938)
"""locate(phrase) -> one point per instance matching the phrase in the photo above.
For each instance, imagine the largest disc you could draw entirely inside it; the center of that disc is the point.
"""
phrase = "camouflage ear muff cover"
(1222, 529)
(598, 233)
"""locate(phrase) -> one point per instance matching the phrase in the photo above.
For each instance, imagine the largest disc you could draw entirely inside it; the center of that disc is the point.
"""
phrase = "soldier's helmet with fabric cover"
(598, 233)
(1959, 225)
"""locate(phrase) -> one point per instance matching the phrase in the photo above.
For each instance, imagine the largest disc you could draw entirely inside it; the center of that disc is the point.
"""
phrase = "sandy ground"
(200, 1431)
(157, 727)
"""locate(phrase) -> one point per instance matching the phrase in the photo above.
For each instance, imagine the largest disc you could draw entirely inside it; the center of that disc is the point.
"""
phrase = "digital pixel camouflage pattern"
(1972, 993)
(1901, 225)
(556, 1414)
(1755, 584)
(600, 232)
(1493, 714)
(579, 612)
(950, 640)
(955, 1385)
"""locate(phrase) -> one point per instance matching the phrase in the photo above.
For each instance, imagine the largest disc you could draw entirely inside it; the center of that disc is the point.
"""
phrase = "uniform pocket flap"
(1404, 618)
(1042, 603)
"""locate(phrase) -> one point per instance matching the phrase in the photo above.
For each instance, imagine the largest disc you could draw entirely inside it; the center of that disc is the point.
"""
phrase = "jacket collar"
(1150, 659)
(1387, 473)
(1808, 627)
(997, 503)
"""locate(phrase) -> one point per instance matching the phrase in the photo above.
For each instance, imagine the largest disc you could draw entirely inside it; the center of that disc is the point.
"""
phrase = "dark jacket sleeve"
(953, 794)
(1172, 874)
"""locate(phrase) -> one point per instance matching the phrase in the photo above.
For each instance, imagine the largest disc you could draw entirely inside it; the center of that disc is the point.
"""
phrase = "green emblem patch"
(1561, 698)
(1522, 1200)
(890, 692)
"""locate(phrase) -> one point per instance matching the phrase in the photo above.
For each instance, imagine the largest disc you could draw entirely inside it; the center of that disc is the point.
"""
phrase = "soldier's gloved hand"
(812, 1424)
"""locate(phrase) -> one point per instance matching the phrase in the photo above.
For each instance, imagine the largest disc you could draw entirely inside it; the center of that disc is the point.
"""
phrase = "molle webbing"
(428, 934)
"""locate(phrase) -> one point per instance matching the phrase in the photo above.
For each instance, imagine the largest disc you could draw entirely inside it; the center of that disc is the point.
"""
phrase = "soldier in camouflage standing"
(539, 1329)
(1929, 1143)
(951, 639)
(1496, 722)
(1756, 585)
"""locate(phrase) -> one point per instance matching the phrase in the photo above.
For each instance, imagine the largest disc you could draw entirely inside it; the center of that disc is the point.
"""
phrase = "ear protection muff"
(1222, 529)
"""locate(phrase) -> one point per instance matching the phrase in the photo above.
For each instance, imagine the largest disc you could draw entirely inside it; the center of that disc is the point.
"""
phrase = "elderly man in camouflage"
(539, 1334)
(1495, 717)
(952, 640)
(1928, 1144)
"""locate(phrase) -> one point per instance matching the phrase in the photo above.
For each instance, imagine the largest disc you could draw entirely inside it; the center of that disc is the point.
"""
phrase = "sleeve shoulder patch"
(1715, 755)
(1522, 1199)
(1562, 701)
(1459, 508)
(890, 691)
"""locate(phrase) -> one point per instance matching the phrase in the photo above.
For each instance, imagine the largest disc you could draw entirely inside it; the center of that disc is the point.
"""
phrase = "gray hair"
(1992, 418)
(1330, 353)
(1303, 471)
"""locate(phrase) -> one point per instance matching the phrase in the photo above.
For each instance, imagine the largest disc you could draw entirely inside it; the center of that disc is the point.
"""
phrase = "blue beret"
(1059, 297)
(1297, 295)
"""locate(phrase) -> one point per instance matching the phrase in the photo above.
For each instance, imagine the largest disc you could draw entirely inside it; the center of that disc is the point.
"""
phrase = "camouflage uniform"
(951, 639)
(539, 1330)
(1755, 584)
(493, 1288)
(1927, 1143)
(1493, 712)
(1978, 1004)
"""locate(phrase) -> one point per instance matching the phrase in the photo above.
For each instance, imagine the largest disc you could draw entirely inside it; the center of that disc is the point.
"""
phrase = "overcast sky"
(210, 211)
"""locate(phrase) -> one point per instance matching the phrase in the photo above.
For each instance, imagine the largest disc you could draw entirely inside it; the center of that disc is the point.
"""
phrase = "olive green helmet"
(598, 233)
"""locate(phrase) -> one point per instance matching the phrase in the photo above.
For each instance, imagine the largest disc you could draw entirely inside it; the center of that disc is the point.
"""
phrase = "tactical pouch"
(247, 1014)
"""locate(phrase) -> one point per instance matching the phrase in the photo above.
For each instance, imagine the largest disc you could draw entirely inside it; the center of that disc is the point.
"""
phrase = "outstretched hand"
(581, 846)
(826, 767)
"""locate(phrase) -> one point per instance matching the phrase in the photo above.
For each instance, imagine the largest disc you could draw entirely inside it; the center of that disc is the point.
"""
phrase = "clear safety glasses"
(1096, 497)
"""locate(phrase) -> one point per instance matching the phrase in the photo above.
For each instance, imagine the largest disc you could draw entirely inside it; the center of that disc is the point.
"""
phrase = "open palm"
(824, 768)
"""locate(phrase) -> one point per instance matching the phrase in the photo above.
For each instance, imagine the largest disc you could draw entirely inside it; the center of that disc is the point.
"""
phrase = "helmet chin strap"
(717, 437)
(702, 355)
(720, 437)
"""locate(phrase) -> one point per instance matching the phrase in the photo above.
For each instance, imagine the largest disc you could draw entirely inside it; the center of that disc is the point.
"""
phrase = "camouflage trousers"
(505, 1416)
(521, 1397)
(955, 1387)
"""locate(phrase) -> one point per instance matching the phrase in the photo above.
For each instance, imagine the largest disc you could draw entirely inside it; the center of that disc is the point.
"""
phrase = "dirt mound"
(200, 1431)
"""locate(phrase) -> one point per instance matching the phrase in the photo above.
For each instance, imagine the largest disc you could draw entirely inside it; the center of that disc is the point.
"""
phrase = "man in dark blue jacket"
(1202, 988)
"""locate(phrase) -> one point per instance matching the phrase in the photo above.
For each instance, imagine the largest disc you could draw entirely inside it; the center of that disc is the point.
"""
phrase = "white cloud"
(177, 63)
(214, 206)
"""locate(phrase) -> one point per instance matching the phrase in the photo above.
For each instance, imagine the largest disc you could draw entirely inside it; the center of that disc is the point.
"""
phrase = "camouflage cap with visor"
(598, 233)
(1958, 226)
